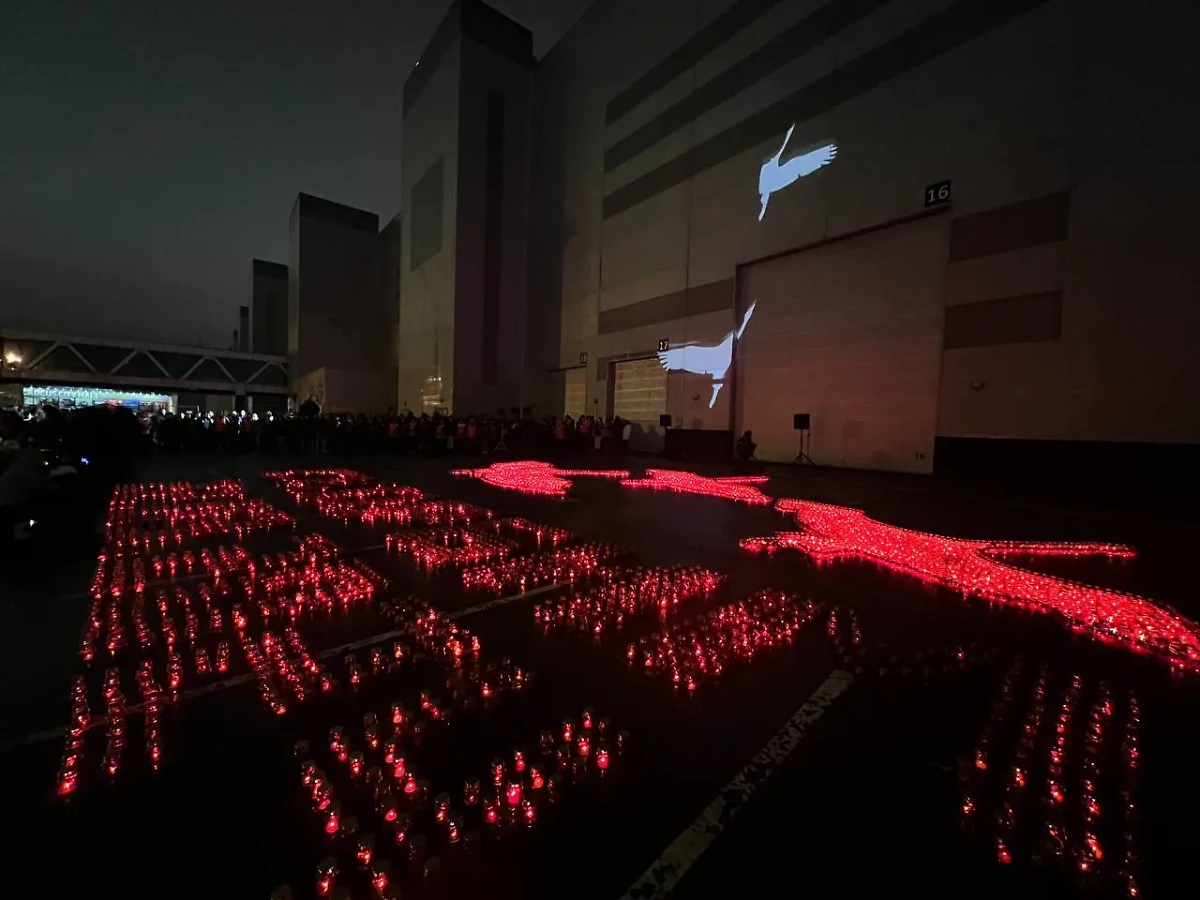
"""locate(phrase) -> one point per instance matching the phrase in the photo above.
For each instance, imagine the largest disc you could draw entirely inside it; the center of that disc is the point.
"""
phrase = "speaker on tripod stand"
(801, 423)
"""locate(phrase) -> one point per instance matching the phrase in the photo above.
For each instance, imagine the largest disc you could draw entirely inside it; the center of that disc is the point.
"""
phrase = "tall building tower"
(390, 249)
(336, 333)
(268, 307)
(466, 170)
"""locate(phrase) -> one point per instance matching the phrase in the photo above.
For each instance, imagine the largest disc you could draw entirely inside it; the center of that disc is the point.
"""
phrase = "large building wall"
(466, 170)
(1063, 279)
(333, 265)
(391, 249)
(427, 320)
(490, 281)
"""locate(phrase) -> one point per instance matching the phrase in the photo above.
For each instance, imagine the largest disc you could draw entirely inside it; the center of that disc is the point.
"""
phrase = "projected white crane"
(774, 177)
(705, 359)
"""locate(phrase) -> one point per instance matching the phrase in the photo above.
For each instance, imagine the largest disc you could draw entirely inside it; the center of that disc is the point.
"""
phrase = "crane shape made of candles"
(984, 569)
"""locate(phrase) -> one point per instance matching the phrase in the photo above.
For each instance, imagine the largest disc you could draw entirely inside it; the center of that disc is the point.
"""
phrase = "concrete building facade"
(268, 307)
(390, 251)
(950, 231)
(334, 319)
(463, 298)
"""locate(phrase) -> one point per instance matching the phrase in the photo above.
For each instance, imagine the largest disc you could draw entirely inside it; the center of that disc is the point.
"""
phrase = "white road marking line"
(666, 872)
(503, 601)
(50, 734)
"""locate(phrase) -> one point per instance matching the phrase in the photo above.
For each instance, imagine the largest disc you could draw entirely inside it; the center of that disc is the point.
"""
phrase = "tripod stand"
(802, 457)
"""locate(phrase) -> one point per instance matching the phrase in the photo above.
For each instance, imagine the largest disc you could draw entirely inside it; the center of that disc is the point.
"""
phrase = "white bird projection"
(705, 359)
(774, 177)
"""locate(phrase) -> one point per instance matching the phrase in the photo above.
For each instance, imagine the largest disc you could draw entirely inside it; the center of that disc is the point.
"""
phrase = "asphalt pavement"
(816, 767)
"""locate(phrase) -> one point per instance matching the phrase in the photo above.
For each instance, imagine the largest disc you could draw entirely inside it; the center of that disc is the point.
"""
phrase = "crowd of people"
(406, 433)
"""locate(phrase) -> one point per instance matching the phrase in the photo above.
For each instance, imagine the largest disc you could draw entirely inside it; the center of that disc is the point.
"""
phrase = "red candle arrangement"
(983, 569)
(532, 477)
(404, 830)
(741, 489)
(175, 589)
(437, 546)
(563, 565)
(544, 535)
(1053, 779)
(701, 648)
(624, 593)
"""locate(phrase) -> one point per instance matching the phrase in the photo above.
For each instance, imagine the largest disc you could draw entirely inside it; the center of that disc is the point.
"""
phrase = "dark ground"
(867, 802)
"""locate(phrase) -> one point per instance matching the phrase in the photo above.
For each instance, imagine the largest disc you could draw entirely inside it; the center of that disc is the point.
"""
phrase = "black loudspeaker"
(800, 422)
(664, 421)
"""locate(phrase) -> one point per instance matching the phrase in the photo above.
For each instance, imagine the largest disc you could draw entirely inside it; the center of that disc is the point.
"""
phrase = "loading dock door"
(640, 397)
(851, 333)
(575, 392)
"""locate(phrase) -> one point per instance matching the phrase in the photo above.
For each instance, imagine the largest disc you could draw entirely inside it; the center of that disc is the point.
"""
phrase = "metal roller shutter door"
(640, 397)
(851, 333)
(575, 393)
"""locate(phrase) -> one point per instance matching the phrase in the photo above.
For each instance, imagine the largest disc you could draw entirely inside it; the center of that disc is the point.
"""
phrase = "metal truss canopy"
(62, 359)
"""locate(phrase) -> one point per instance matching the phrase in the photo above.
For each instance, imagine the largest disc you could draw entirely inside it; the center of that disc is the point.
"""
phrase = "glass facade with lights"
(68, 397)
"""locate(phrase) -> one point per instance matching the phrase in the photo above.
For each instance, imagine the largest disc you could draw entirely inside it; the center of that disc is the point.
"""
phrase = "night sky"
(149, 149)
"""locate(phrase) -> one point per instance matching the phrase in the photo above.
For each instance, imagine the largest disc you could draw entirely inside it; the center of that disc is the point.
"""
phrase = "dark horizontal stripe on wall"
(706, 298)
(1029, 223)
(480, 23)
(1133, 476)
(932, 38)
(1006, 320)
(793, 43)
(690, 52)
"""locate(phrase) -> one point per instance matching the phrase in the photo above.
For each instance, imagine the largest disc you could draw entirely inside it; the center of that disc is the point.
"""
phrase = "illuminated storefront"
(67, 397)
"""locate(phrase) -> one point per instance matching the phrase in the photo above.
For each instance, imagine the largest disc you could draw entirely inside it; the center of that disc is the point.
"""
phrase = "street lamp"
(12, 357)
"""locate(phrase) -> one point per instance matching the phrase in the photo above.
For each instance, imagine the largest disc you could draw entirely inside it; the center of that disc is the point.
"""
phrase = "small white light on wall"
(978, 384)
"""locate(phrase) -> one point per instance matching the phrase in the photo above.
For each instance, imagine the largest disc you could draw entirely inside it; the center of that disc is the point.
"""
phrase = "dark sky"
(149, 149)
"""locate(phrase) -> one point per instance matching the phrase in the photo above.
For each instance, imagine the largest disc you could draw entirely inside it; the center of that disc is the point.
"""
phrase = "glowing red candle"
(441, 806)
(366, 850)
(333, 818)
(326, 876)
(512, 793)
(402, 828)
(381, 872)
(387, 807)
(471, 791)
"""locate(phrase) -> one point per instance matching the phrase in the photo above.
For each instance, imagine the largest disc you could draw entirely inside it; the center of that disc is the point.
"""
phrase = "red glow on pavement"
(742, 489)
(976, 568)
(532, 477)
